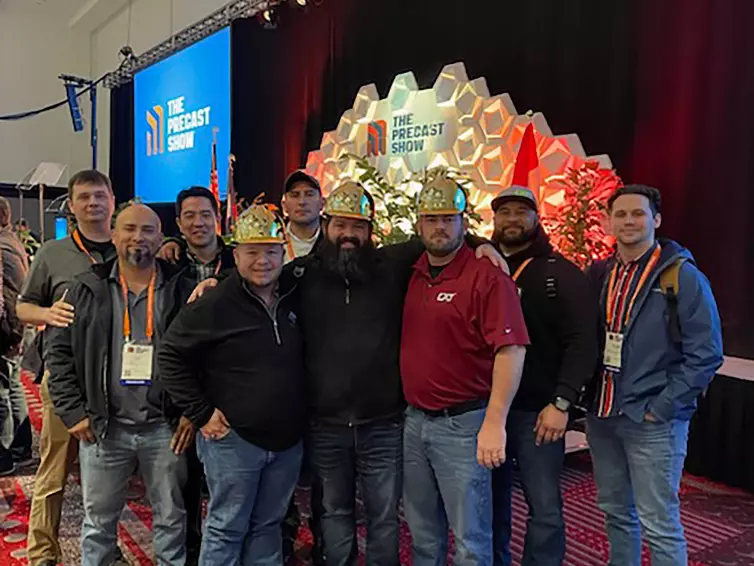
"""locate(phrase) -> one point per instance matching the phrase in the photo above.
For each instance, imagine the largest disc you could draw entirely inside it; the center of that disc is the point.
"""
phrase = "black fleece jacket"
(562, 324)
(232, 352)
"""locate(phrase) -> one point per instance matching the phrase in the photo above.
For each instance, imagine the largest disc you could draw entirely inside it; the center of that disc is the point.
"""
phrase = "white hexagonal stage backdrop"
(456, 123)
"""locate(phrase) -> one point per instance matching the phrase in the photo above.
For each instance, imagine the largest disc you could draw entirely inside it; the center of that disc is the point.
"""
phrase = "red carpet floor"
(719, 521)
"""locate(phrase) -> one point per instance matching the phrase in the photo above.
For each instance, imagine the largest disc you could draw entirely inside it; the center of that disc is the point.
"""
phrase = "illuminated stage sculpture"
(456, 123)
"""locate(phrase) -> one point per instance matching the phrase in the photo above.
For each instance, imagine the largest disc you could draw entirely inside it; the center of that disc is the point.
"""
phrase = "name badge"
(613, 351)
(137, 364)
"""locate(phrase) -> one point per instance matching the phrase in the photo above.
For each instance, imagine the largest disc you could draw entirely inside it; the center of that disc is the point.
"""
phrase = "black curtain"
(664, 88)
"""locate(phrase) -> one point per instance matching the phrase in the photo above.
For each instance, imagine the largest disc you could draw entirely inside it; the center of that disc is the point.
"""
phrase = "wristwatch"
(561, 404)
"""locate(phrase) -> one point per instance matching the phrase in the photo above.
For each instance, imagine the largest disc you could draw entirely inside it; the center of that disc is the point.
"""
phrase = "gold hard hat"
(350, 200)
(441, 196)
(259, 224)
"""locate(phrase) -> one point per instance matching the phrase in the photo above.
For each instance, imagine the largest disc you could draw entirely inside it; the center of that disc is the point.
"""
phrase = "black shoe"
(23, 459)
(7, 468)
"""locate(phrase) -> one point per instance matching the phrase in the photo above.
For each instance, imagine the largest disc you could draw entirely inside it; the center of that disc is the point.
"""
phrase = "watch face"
(562, 404)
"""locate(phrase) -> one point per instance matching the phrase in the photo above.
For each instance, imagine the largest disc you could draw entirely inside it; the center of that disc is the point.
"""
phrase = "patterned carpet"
(719, 521)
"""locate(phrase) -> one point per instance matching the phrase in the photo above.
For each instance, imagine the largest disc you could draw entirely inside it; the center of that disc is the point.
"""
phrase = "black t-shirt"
(105, 249)
(435, 270)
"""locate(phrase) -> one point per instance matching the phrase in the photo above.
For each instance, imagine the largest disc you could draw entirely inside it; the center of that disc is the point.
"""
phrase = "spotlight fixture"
(298, 3)
(268, 18)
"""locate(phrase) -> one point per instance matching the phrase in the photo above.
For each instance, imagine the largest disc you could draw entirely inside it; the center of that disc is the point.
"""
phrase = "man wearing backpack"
(662, 347)
(560, 310)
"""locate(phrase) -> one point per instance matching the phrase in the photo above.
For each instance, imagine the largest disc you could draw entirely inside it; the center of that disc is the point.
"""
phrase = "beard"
(446, 248)
(520, 238)
(139, 257)
(354, 264)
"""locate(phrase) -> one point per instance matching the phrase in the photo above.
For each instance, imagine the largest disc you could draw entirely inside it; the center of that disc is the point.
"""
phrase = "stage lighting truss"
(186, 37)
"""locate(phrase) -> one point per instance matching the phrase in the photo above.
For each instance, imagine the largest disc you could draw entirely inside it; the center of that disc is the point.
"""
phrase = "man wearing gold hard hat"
(235, 360)
(462, 353)
(351, 307)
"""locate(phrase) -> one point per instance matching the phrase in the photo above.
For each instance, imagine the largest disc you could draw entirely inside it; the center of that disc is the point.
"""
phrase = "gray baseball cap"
(515, 192)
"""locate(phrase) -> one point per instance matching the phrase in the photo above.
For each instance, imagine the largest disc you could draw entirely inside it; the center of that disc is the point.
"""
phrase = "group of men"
(418, 371)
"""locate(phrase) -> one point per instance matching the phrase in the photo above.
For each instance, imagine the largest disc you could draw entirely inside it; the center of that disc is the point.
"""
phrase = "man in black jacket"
(234, 362)
(561, 316)
(101, 385)
(351, 309)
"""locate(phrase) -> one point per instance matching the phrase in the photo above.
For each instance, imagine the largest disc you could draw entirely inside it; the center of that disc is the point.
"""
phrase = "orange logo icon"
(156, 132)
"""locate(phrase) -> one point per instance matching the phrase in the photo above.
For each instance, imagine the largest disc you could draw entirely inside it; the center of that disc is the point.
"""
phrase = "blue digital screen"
(61, 227)
(178, 103)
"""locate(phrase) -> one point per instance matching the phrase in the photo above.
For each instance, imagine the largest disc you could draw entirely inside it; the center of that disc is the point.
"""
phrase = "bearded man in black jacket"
(561, 314)
(351, 306)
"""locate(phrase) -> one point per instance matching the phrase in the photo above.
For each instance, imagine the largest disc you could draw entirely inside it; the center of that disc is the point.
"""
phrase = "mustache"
(347, 240)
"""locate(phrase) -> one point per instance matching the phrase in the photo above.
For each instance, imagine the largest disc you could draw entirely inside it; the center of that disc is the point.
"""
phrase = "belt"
(455, 410)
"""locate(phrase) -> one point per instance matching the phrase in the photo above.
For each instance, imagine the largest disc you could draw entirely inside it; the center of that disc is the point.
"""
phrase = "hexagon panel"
(454, 123)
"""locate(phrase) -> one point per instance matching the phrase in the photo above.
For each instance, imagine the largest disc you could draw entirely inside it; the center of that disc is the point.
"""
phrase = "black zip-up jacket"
(352, 332)
(78, 356)
(230, 351)
(561, 312)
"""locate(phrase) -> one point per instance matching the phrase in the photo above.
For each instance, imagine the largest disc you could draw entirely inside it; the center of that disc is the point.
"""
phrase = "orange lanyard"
(80, 245)
(150, 308)
(219, 265)
(612, 290)
(521, 268)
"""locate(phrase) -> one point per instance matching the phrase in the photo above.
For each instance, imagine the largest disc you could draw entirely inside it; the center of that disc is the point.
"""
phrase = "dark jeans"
(372, 454)
(540, 468)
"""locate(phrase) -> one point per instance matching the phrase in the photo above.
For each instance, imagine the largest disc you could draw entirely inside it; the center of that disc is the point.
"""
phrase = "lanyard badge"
(612, 356)
(137, 359)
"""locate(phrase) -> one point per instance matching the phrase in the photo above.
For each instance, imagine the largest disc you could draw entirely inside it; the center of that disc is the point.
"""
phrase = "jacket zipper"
(273, 314)
(105, 375)
(348, 292)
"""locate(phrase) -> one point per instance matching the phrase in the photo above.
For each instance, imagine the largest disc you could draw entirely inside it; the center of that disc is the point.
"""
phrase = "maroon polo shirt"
(453, 326)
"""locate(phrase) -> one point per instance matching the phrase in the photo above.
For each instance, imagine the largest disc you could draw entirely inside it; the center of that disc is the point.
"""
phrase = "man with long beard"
(351, 311)
(561, 316)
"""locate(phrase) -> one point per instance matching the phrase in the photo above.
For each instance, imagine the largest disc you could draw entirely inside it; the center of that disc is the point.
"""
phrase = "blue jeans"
(249, 492)
(445, 486)
(370, 453)
(637, 468)
(540, 468)
(105, 469)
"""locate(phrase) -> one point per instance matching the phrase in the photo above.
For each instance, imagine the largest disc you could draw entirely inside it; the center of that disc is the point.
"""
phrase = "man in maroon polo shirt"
(462, 353)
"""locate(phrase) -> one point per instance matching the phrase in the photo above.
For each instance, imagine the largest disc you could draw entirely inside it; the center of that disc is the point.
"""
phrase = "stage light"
(268, 18)
(299, 3)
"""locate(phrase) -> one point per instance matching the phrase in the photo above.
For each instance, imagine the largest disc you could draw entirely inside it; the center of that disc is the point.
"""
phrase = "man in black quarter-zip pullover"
(234, 362)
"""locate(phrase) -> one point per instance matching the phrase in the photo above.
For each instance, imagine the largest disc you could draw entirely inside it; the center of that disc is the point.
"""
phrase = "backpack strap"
(551, 284)
(670, 286)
